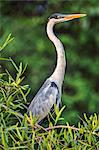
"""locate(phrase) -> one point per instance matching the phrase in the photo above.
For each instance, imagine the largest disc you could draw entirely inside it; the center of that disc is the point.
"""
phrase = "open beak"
(73, 16)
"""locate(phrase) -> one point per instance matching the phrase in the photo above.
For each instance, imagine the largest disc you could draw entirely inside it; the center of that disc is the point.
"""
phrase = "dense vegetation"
(18, 130)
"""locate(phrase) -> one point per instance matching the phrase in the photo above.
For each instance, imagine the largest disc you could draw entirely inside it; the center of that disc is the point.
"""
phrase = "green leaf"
(59, 114)
(8, 40)
(19, 134)
(3, 139)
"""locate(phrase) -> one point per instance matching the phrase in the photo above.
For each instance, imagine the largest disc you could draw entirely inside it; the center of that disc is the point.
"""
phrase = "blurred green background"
(27, 20)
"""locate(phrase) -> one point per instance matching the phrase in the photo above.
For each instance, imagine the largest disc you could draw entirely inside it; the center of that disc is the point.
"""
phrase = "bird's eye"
(56, 17)
(59, 17)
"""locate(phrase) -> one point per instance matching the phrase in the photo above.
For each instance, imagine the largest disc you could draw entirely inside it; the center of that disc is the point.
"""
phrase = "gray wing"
(44, 99)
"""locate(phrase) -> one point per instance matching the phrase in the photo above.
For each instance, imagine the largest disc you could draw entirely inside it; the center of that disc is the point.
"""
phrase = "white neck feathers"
(58, 74)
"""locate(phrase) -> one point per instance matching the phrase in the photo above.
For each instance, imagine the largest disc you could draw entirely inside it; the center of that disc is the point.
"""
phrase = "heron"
(50, 92)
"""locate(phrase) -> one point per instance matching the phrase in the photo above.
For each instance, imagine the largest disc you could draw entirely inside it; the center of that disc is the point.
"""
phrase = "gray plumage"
(44, 99)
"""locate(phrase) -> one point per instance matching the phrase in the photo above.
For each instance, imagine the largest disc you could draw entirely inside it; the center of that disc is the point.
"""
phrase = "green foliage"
(26, 21)
(8, 40)
(20, 131)
(11, 90)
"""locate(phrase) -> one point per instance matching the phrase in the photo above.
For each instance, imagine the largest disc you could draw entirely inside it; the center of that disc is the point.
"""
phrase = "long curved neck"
(58, 74)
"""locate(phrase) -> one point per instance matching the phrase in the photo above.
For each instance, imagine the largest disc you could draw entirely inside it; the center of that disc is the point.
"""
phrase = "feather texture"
(44, 100)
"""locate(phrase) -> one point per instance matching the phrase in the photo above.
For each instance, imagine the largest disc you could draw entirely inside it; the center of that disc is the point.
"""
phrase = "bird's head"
(57, 17)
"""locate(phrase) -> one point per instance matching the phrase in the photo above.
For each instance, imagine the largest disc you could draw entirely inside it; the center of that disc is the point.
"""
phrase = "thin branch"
(62, 126)
(71, 127)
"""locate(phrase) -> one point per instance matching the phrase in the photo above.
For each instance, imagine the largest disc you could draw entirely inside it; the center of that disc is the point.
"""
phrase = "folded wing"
(44, 100)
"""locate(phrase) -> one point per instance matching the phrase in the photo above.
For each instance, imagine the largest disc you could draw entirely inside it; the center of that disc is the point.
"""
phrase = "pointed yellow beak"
(73, 16)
